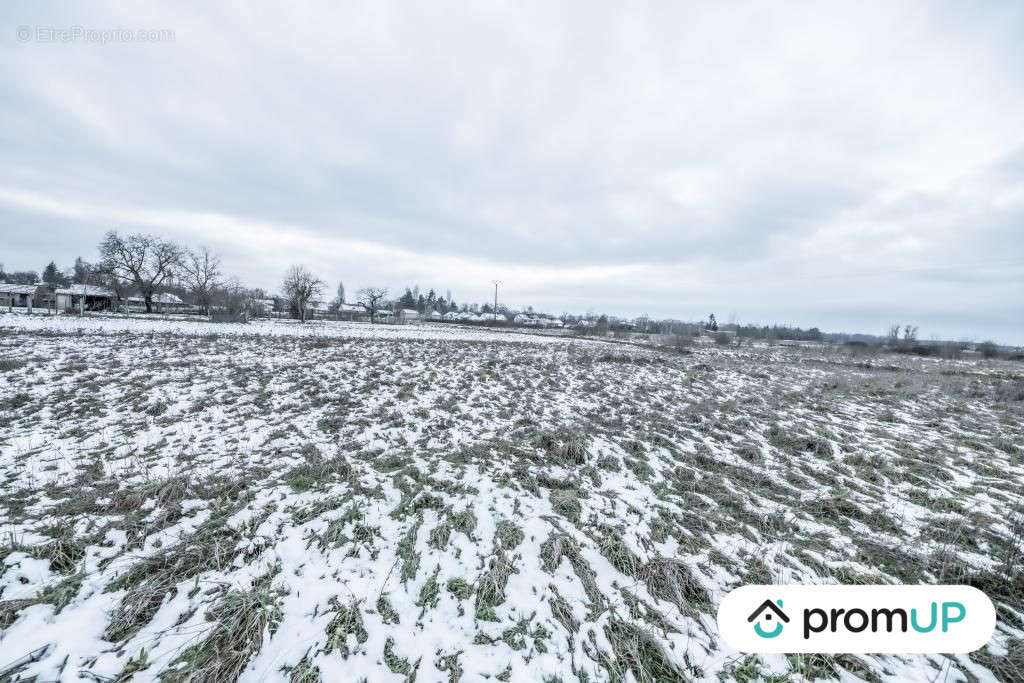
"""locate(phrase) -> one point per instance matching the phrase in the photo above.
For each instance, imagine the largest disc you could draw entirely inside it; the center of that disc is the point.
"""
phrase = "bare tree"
(82, 270)
(301, 287)
(200, 271)
(145, 260)
(372, 299)
(104, 276)
(234, 302)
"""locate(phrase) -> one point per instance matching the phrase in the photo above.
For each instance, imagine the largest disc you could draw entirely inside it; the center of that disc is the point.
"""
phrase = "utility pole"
(85, 291)
(496, 283)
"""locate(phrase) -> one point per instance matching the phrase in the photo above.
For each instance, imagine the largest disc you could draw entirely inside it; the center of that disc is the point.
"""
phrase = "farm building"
(84, 297)
(163, 302)
(263, 306)
(536, 320)
(22, 296)
(352, 312)
(320, 308)
(407, 315)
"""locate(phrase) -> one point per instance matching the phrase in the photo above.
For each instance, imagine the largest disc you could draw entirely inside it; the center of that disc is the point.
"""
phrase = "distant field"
(182, 325)
(335, 502)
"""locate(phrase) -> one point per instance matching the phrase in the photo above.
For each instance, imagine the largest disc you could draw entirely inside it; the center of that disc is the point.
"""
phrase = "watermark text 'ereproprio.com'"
(86, 34)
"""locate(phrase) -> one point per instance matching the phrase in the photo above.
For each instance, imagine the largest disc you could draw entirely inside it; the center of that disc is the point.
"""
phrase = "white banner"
(857, 619)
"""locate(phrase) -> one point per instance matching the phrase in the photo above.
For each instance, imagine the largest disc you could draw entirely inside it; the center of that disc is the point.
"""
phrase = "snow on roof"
(161, 298)
(17, 289)
(88, 290)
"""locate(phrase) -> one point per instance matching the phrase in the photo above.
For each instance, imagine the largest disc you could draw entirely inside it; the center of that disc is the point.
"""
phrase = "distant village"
(145, 274)
(80, 298)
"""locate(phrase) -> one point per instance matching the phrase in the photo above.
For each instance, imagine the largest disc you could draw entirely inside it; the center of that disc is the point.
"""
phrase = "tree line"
(147, 265)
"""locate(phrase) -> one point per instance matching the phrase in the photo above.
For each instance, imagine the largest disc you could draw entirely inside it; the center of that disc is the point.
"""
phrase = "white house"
(318, 307)
(263, 306)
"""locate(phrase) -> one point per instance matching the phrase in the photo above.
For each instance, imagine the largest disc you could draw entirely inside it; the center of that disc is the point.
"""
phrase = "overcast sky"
(845, 165)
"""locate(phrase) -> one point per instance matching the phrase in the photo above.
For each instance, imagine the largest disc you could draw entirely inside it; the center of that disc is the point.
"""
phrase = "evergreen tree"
(407, 300)
(52, 276)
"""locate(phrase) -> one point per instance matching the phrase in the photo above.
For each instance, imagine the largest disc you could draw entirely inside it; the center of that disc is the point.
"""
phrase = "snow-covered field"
(337, 502)
(180, 325)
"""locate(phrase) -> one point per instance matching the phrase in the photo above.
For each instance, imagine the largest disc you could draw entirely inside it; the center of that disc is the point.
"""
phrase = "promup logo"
(765, 613)
(857, 619)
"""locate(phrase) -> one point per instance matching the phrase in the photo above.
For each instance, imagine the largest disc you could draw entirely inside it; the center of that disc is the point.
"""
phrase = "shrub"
(988, 349)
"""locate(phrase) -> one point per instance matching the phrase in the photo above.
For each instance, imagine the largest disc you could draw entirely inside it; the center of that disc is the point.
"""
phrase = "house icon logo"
(767, 612)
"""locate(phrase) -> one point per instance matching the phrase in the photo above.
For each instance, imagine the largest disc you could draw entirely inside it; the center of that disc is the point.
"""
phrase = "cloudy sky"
(845, 165)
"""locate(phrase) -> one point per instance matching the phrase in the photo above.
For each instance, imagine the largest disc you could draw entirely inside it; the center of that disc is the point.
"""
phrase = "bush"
(723, 339)
(988, 349)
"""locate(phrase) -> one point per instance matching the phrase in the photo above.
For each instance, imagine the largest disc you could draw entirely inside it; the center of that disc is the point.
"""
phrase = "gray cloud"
(840, 166)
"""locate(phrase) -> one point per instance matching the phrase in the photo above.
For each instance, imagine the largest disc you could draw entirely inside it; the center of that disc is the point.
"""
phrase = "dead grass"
(243, 619)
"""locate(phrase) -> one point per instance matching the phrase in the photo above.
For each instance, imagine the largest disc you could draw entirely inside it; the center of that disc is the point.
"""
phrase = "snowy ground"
(181, 325)
(337, 502)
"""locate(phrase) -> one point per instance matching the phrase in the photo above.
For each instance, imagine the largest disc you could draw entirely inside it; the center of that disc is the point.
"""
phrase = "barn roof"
(88, 290)
(161, 298)
(17, 289)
